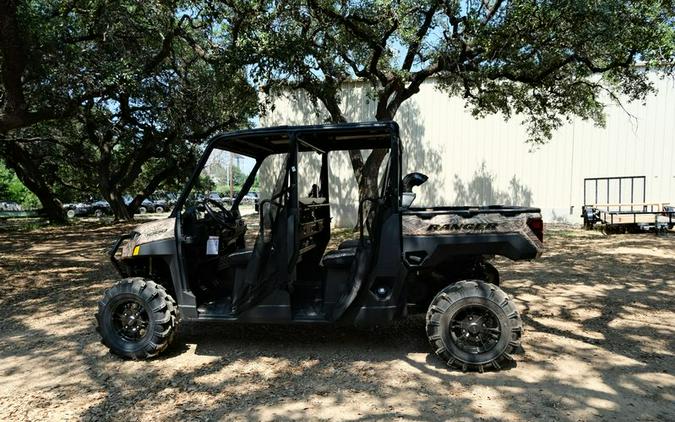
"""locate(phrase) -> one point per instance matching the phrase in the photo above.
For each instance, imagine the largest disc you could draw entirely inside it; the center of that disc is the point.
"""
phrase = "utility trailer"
(615, 216)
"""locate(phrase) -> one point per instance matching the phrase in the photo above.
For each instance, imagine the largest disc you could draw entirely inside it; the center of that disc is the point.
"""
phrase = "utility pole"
(238, 158)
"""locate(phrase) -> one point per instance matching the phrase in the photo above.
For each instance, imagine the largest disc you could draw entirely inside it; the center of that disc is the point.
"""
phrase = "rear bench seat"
(351, 243)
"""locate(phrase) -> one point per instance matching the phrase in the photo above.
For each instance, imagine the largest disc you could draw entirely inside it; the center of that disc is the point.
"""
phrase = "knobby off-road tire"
(137, 318)
(473, 325)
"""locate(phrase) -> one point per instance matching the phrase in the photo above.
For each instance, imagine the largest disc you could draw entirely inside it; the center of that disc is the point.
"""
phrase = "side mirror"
(413, 179)
(408, 183)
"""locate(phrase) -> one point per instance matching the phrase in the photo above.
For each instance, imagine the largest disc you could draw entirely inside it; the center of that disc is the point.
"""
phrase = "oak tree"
(543, 61)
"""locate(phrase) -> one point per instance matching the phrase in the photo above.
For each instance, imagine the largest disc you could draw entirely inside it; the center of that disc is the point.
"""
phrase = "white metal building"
(482, 161)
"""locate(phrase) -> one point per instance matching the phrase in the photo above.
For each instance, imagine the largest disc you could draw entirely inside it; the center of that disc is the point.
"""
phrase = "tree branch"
(167, 44)
(170, 170)
(491, 10)
(414, 46)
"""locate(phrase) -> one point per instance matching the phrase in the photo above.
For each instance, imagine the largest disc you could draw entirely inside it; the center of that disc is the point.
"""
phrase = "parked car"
(161, 205)
(78, 209)
(9, 206)
(171, 198)
(164, 201)
(146, 206)
(83, 209)
(99, 208)
(251, 197)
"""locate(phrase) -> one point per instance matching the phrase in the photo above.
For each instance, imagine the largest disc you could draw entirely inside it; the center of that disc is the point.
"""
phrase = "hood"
(155, 230)
(150, 232)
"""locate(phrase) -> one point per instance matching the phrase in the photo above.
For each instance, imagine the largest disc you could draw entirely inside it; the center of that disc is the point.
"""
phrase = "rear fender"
(431, 251)
(430, 239)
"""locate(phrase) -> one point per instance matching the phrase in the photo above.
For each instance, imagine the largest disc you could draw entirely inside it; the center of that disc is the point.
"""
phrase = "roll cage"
(261, 143)
(275, 255)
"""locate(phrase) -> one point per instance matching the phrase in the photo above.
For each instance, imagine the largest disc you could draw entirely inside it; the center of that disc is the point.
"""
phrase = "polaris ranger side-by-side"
(196, 265)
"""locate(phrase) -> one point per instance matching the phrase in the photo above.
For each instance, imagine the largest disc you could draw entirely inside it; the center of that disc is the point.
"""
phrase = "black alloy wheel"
(130, 320)
(475, 329)
(473, 325)
(137, 318)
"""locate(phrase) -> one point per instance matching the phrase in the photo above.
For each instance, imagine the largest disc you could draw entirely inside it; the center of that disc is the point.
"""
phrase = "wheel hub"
(475, 329)
(130, 320)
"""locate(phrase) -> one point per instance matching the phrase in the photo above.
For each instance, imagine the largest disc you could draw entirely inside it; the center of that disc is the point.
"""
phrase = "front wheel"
(473, 325)
(137, 318)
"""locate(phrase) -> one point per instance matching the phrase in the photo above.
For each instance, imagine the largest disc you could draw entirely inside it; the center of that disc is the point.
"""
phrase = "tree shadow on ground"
(598, 314)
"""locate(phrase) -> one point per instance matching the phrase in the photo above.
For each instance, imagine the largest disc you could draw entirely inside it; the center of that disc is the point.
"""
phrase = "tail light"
(537, 226)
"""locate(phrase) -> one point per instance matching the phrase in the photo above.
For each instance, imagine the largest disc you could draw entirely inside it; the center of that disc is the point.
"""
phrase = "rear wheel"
(159, 209)
(473, 325)
(70, 213)
(98, 213)
(137, 318)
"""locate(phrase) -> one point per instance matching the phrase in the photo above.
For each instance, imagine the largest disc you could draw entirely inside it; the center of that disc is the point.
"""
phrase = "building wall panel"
(479, 161)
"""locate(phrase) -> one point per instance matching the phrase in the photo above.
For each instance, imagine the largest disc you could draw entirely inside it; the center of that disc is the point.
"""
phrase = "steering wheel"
(219, 213)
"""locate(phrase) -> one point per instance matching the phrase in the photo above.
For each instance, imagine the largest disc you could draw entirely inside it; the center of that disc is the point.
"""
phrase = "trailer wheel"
(137, 318)
(473, 325)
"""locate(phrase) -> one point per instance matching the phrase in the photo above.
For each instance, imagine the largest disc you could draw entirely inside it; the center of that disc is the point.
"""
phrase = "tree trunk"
(169, 171)
(366, 178)
(365, 172)
(30, 175)
(112, 192)
(51, 206)
(117, 205)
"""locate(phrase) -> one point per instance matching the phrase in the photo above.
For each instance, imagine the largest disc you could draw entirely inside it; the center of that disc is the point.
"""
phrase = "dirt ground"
(599, 339)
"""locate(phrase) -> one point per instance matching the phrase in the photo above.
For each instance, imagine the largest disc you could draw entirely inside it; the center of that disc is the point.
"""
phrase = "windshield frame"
(208, 151)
